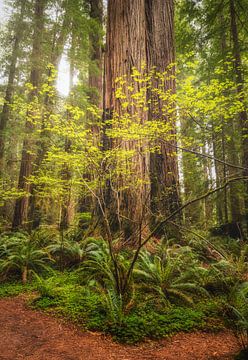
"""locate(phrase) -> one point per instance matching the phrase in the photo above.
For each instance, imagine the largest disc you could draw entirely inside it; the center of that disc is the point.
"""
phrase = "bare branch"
(203, 155)
(180, 209)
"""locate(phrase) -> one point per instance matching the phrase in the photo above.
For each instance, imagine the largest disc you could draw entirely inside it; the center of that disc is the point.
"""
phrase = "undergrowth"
(170, 290)
(14, 289)
(63, 294)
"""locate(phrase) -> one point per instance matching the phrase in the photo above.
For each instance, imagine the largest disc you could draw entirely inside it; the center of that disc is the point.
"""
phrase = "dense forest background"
(135, 149)
(141, 144)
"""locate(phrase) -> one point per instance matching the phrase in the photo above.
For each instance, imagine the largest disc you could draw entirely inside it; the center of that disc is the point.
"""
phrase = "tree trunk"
(223, 46)
(87, 203)
(192, 176)
(66, 209)
(126, 48)
(243, 118)
(161, 54)
(10, 86)
(59, 40)
(95, 69)
(24, 274)
(21, 206)
(141, 32)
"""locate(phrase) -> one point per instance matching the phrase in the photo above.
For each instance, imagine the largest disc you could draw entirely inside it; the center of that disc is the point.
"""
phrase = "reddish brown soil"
(32, 335)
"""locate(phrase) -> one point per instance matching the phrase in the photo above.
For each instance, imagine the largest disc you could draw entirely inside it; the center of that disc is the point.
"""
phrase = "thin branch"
(173, 214)
(186, 229)
(190, 202)
(203, 155)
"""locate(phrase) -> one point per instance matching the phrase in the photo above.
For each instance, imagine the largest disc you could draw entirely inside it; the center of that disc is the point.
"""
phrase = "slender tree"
(96, 52)
(66, 172)
(95, 84)
(243, 118)
(60, 32)
(4, 116)
(21, 206)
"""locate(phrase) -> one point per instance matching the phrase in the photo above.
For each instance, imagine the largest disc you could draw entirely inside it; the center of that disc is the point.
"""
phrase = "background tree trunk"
(66, 174)
(243, 118)
(11, 78)
(88, 203)
(58, 44)
(21, 207)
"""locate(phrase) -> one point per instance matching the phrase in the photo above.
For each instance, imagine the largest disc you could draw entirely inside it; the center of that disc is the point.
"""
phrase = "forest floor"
(33, 335)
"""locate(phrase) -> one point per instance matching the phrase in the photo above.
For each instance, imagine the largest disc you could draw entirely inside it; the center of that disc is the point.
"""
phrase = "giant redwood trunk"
(21, 206)
(160, 55)
(142, 32)
(126, 48)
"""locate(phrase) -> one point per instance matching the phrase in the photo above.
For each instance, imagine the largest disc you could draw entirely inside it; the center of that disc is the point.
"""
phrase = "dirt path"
(32, 335)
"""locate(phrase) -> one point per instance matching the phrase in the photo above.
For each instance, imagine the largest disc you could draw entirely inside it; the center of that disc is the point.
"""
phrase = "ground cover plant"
(171, 289)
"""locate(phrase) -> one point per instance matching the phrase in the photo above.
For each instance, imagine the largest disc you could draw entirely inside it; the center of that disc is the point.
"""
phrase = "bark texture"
(21, 207)
(160, 54)
(96, 54)
(4, 117)
(243, 118)
(141, 32)
(126, 48)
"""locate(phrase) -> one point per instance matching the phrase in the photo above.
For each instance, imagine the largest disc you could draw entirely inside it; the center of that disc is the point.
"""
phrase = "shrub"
(107, 279)
(66, 296)
(172, 274)
(68, 252)
(19, 253)
(238, 313)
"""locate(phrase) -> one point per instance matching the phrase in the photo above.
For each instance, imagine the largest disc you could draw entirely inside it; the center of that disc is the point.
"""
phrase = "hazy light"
(63, 81)
(5, 12)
